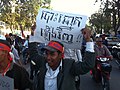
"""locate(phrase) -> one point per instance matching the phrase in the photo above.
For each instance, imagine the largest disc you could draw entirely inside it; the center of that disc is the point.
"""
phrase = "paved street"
(88, 84)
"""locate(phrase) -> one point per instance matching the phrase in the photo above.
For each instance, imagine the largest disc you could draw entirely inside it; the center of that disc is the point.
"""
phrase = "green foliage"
(111, 13)
(21, 12)
(99, 21)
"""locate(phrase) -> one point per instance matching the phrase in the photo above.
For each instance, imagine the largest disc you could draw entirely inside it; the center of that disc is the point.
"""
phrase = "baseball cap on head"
(54, 46)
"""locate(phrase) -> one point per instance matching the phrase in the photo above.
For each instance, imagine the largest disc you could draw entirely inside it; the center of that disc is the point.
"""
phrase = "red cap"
(54, 46)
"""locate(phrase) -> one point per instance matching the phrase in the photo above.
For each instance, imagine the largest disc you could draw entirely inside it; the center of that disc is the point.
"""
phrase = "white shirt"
(51, 78)
(15, 53)
(90, 46)
(76, 53)
(73, 53)
(26, 43)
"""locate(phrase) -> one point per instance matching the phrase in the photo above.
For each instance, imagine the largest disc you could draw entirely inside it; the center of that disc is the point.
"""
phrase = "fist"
(86, 34)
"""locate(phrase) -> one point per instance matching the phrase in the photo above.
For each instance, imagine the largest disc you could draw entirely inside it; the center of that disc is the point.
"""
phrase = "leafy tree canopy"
(21, 12)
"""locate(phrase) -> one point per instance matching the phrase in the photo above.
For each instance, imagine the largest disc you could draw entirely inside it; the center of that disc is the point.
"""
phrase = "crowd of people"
(52, 66)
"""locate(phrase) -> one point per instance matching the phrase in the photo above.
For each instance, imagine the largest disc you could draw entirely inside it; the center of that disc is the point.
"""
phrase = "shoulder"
(104, 46)
(68, 62)
(18, 68)
(95, 45)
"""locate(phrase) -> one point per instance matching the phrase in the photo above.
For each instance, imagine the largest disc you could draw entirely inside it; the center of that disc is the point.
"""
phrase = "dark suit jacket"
(20, 76)
(68, 71)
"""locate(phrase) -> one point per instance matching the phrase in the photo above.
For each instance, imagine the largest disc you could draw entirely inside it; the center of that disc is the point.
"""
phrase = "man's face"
(99, 41)
(3, 60)
(53, 59)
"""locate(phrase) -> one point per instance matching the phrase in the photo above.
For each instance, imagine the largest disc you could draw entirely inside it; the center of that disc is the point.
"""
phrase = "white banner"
(6, 83)
(63, 27)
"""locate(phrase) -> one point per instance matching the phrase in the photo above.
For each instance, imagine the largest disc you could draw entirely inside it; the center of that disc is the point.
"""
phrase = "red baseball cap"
(54, 46)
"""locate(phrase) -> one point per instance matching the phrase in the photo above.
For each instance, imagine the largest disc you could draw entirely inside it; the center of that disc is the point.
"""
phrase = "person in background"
(35, 63)
(16, 55)
(18, 44)
(73, 54)
(104, 40)
(76, 55)
(57, 73)
(25, 51)
(11, 69)
(15, 52)
(101, 50)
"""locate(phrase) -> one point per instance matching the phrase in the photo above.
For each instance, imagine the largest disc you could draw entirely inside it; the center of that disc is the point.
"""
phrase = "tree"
(112, 7)
(100, 22)
(23, 13)
(8, 17)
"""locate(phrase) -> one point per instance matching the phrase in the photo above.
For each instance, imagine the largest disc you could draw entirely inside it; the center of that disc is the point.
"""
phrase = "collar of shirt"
(50, 73)
(51, 78)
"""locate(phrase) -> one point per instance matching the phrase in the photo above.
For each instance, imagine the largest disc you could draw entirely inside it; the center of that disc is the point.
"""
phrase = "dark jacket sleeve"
(25, 81)
(85, 66)
(20, 76)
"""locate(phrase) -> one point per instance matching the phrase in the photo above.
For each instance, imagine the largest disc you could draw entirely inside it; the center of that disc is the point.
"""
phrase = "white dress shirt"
(51, 78)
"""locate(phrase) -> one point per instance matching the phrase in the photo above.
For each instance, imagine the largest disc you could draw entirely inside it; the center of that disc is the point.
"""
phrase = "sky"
(82, 7)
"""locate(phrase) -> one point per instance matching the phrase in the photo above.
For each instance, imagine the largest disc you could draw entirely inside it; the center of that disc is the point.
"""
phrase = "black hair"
(10, 34)
(5, 42)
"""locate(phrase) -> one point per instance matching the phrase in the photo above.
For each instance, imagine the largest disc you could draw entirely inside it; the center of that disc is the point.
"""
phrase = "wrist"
(89, 40)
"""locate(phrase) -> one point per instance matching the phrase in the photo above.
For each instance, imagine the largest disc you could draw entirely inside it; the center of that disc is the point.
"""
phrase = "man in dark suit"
(56, 73)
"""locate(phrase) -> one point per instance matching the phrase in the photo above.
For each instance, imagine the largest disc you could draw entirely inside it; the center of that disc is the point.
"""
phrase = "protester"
(14, 51)
(18, 44)
(76, 55)
(12, 70)
(25, 51)
(101, 50)
(73, 54)
(56, 73)
(34, 64)
(104, 40)
(16, 55)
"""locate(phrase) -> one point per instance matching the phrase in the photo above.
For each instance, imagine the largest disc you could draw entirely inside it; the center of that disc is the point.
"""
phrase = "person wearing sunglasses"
(101, 50)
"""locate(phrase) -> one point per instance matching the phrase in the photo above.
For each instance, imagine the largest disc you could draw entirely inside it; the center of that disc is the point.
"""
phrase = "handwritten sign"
(63, 27)
(6, 83)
